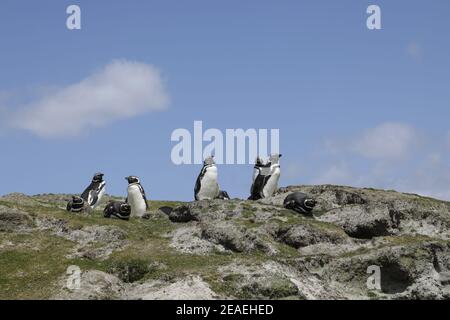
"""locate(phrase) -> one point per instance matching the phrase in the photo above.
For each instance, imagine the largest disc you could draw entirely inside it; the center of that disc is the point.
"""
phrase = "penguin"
(223, 195)
(299, 202)
(95, 191)
(136, 197)
(118, 209)
(206, 186)
(259, 164)
(76, 204)
(266, 182)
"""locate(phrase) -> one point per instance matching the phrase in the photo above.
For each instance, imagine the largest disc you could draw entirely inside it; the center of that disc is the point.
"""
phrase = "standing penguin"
(257, 169)
(136, 197)
(266, 182)
(259, 164)
(95, 191)
(206, 186)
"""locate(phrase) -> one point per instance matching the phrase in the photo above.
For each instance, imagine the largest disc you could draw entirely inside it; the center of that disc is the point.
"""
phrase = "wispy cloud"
(390, 157)
(122, 89)
(386, 141)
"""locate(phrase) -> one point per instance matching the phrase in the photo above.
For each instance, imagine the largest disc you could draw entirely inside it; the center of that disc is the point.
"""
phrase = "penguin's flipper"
(198, 184)
(144, 196)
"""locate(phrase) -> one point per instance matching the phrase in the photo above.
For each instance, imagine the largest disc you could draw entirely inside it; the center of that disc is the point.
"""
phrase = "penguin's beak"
(280, 155)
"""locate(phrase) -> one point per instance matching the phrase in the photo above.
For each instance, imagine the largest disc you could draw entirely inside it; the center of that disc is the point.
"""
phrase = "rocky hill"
(230, 249)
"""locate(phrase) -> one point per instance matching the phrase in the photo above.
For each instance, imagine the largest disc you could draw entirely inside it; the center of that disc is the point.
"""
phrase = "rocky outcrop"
(234, 249)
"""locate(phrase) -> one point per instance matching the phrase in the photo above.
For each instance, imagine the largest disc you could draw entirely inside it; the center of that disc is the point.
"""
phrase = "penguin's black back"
(198, 183)
(258, 186)
(296, 201)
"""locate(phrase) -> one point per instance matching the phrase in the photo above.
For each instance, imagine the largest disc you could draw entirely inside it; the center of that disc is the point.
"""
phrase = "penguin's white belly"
(209, 188)
(99, 198)
(136, 201)
(272, 184)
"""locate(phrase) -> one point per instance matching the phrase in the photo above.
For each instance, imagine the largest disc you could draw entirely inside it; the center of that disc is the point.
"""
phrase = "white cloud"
(388, 141)
(122, 89)
(396, 156)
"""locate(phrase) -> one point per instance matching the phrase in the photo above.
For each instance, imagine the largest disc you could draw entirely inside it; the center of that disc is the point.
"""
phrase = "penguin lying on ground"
(136, 197)
(118, 209)
(206, 186)
(76, 204)
(299, 202)
(266, 182)
(95, 191)
(223, 195)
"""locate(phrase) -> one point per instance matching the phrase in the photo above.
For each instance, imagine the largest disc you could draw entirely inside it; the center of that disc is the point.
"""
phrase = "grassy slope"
(32, 263)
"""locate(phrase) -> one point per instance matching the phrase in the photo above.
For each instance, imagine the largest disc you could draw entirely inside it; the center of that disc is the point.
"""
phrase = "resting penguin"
(266, 182)
(95, 191)
(76, 204)
(299, 202)
(206, 186)
(119, 209)
(223, 195)
(136, 197)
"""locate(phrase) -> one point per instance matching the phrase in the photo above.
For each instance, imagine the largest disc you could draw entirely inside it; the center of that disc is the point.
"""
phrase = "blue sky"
(354, 106)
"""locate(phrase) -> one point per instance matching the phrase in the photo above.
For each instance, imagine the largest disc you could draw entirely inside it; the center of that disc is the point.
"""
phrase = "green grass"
(31, 269)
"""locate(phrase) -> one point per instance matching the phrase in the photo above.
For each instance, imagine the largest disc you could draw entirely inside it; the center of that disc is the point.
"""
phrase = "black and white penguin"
(259, 164)
(95, 191)
(299, 202)
(266, 182)
(118, 209)
(206, 186)
(136, 197)
(223, 195)
(76, 204)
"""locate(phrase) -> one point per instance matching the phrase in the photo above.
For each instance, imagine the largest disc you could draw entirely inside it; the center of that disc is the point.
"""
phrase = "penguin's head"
(310, 203)
(132, 179)
(209, 161)
(125, 208)
(77, 199)
(275, 158)
(98, 177)
(259, 162)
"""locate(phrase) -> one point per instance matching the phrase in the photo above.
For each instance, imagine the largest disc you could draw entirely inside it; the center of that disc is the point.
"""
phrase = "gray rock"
(94, 285)
(13, 220)
(363, 221)
(299, 236)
